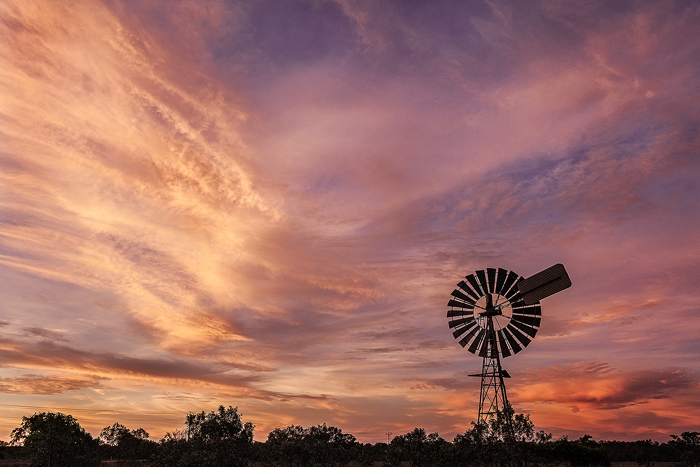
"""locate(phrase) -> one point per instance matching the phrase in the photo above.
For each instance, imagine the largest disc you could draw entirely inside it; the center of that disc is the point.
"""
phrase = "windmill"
(494, 313)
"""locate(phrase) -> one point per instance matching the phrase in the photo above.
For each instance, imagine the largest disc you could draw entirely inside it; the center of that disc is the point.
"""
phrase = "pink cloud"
(202, 205)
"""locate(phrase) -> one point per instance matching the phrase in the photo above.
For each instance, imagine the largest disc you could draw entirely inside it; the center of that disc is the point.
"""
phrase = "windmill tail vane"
(494, 313)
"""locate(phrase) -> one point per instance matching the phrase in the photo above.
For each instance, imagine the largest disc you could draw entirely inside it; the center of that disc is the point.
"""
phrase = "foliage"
(688, 444)
(319, 445)
(416, 448)
(505, 439)
(222, 425)
(217, 438)
(285, 447)
(579, 453)
(127, 446)
(221, 438)
(506, 443)
(55, 440)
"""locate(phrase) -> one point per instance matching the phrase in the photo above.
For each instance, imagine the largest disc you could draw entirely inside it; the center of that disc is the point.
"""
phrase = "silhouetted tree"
(217, 438)
(501, 441)
(416, 448)
(688, 445)
(367, 454)
(329, 446)
(126, 445)
(55, 440)
(474, 447)
(643, 452)
(320, 445)
(285, 447)
(220, 438)
(580, 453)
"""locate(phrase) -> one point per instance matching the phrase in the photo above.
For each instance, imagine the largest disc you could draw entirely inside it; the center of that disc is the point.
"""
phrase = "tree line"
(221, 438)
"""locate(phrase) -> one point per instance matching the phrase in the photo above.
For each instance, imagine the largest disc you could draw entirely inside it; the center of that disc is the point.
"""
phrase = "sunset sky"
(266, 204)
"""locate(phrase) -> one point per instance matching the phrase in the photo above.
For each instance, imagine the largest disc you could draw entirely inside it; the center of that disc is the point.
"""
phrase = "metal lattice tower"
(492, 397)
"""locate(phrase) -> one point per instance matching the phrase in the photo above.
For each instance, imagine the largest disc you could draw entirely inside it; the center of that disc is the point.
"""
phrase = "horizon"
(266, 205)
(392, 435)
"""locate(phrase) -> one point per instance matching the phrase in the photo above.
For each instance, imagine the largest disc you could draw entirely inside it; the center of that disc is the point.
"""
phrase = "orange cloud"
(268, 204)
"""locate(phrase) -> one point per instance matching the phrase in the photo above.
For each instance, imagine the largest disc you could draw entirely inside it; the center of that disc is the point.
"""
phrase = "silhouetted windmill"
(497, 312)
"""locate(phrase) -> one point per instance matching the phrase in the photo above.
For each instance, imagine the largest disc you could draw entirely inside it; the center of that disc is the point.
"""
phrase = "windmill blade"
(524, 328)
(475, 345)
(511, 340)
(529, 320)
(462, 330)
(505, 351)
(491, 273)
(463, 285)
(502, 305)
(481, 275)
(458, 304)
(475, 285)
(521, 305)
(457, 322)
(519, 335)
(462, 296)
(545, 283)
(527, 310)
(514, 294)
(508, 283)
(501, 277)
(466, 338)
(459, 312)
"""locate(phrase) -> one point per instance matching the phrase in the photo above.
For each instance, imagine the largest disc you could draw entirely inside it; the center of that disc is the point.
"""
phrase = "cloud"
(619, 313)
(40, 384)
(49, 334)
(47, 354)
(104, 208)
(594, 386)
(208, 201)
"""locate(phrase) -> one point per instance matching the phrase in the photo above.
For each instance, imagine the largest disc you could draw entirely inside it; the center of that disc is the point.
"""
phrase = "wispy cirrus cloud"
(40, 384)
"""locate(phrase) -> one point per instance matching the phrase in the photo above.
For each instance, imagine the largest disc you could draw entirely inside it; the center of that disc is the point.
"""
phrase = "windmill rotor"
(492, 293)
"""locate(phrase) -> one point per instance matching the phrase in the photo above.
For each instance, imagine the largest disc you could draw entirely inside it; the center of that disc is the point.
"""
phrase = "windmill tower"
(496, 313)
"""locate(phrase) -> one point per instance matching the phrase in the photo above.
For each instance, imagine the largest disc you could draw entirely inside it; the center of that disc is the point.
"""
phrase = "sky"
(267, 204)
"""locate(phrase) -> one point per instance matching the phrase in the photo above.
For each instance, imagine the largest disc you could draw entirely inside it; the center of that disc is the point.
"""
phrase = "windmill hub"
(493, 305)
